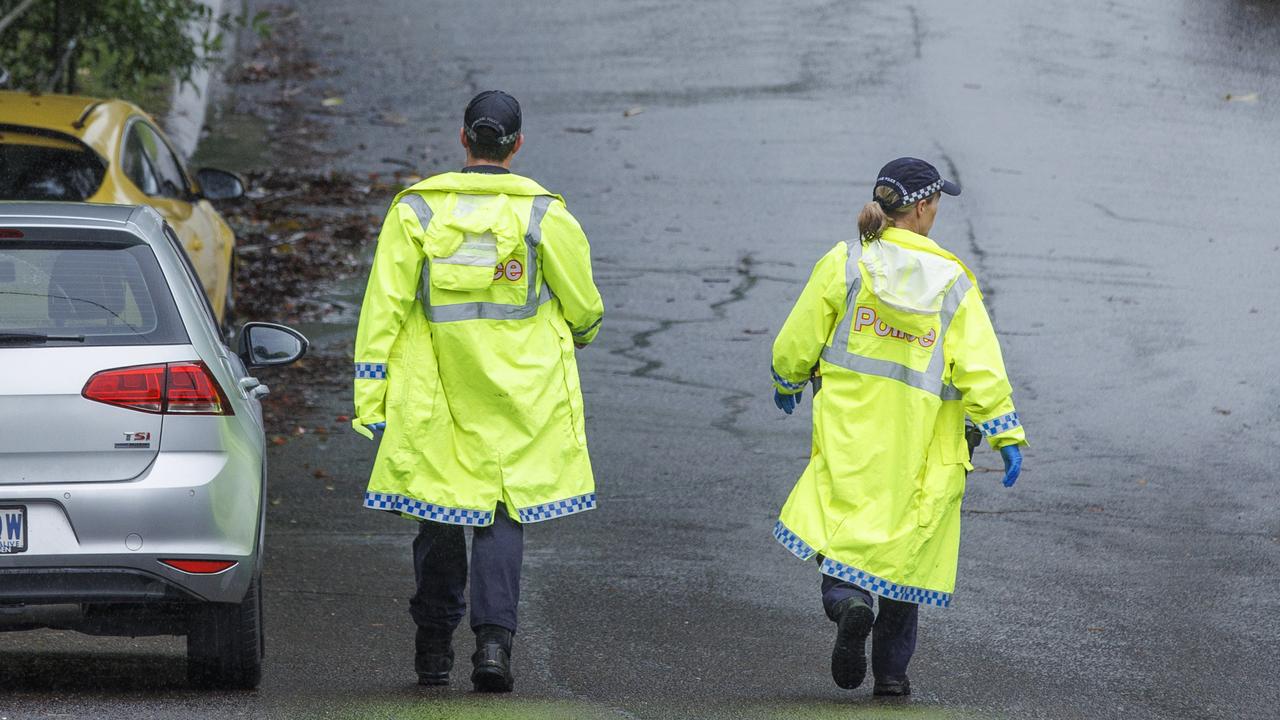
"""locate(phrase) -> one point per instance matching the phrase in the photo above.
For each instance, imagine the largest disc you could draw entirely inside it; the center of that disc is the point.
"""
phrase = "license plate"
(13, 530)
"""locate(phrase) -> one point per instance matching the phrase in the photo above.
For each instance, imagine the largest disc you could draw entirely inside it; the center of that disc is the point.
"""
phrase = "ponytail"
(872, 221)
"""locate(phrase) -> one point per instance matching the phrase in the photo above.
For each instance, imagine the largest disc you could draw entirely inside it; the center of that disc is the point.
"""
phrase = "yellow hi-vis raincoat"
(904, 346)
(480, 287)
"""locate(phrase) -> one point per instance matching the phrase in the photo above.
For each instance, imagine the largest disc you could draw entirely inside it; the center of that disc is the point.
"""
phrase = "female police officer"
(896, 329)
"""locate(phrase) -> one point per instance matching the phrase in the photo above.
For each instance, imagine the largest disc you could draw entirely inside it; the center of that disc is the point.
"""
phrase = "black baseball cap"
(911, 180)
(496, 111)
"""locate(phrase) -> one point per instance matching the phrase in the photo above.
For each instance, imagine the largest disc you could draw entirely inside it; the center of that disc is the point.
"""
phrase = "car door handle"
(254, 387)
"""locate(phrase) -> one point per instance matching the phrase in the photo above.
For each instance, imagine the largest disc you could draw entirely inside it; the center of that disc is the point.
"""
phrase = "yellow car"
(72, 148)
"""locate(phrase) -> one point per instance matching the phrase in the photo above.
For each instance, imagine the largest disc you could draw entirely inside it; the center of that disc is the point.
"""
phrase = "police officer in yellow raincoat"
(480, 290)
(895, 328)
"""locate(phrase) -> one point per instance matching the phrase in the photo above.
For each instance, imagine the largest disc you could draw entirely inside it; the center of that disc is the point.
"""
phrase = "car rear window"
(90, 292)
(40, 168)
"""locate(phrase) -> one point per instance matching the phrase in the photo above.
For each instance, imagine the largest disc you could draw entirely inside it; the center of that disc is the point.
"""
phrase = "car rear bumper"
(103, 542)
(142, 580)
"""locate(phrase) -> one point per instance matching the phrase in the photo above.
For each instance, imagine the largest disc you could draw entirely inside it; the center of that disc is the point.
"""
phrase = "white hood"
(909, 280)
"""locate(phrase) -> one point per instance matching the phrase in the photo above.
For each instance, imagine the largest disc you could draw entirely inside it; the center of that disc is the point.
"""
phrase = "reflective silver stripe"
(419, 208)
(538, 291)
(852, 283)
(539, 210)
(482, 252)
(950, 304)
(423, 211)
(469, 260)
(929, 380)
(884, 368)
(480, 311)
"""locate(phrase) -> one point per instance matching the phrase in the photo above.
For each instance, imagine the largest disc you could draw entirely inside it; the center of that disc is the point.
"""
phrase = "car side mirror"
(267, 344)
(219, 184)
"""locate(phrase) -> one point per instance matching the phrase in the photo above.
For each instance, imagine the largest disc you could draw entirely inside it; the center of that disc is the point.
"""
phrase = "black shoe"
(892, 688)
(433, 657)
(849, 658)
(492, 660)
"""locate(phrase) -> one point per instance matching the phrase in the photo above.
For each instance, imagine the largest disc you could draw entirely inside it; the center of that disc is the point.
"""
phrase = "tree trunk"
(55, 45)
(72, 65)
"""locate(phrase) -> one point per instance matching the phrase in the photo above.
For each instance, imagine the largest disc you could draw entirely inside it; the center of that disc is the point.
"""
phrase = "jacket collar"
(481, 184)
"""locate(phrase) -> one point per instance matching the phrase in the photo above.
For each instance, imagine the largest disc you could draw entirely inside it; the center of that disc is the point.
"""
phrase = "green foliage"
(117, 47)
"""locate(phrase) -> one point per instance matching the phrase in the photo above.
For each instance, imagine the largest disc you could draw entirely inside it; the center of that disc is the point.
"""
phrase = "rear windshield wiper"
(37, 338)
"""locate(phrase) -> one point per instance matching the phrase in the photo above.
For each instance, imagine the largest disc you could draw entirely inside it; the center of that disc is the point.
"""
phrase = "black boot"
(893, 688)
(849, 658)
(433, 657)
(492, 660)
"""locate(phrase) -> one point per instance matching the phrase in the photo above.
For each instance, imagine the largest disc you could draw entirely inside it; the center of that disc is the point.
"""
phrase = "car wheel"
(224, 643)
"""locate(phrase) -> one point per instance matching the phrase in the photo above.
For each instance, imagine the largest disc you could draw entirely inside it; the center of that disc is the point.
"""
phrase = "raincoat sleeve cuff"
(1010, 439)
(587, 336)
(786, 387)
(360, 424)
(1003, 430)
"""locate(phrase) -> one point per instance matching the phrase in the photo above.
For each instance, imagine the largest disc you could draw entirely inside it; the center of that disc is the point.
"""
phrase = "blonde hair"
(872, 219)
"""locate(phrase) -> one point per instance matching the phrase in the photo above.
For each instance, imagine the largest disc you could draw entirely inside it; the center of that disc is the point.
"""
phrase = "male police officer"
(480, 290)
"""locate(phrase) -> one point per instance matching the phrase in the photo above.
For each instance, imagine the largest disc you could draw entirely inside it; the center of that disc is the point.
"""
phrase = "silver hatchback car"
(132, 454)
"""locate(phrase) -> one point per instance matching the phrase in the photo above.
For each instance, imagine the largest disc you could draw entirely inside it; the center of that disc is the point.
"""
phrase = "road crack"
(734, 401)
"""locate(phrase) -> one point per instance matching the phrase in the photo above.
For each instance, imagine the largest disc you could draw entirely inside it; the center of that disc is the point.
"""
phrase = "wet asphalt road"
(1119, 212)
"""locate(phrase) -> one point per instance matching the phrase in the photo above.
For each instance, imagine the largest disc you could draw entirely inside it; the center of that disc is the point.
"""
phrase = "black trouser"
(440, 567)
(893, 637)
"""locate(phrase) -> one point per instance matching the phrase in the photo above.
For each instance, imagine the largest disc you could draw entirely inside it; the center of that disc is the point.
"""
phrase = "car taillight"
(177, 388)
(200, 567)
(193, 391)
(10, 234)
(136, 388)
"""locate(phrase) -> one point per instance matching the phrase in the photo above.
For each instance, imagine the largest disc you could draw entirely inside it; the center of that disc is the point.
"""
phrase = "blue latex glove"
(786, 403)
(377, 429)
(1012, 464)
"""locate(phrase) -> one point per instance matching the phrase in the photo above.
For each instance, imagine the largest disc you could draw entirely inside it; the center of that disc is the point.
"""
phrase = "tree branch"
(61, 70)
(15, 14)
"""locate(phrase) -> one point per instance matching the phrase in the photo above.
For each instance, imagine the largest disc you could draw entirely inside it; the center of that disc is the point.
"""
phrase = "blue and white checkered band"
(792, 542)
(504, 140)
(882, 587)
(922, 193)
(1004, 423)
(557, 508)
(427, 511)
(787, 384)
(371, 371)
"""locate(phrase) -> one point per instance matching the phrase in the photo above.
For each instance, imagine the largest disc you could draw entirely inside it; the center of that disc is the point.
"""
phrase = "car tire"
(225, 643)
